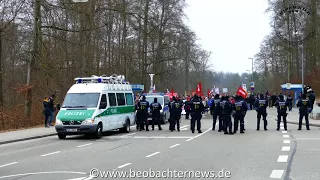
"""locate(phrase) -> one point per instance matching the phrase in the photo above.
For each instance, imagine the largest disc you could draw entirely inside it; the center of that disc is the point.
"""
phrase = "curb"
(297, 123)
(27, 138)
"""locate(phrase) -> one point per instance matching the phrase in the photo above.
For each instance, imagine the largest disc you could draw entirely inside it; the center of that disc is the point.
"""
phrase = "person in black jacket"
(175, 114)
(261, 108)
(197, 108)
(215, 110)
(155, 108)
(304, 109)
(142, 114)
(187, 107)
(240, 108)
(226, 111)
(289, 102)
(282, 107)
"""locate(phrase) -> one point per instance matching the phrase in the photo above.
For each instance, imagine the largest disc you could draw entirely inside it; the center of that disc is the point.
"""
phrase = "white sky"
(231, 29)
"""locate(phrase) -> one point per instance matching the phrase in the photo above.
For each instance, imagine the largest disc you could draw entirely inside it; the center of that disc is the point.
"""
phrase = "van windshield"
(81, 100)
(150, 99)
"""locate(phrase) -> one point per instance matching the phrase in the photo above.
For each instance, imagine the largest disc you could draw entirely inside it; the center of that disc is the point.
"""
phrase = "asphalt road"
(254, 155)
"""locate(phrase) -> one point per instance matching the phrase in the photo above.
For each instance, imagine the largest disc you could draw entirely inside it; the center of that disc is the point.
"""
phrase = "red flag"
(199, 89)
(241, 92)
(208, 92)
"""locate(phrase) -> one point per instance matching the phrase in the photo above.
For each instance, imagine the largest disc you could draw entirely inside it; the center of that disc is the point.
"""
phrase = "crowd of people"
(223, 108)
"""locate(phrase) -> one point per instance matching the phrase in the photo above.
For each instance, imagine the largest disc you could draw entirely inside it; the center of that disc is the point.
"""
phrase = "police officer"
(197, 108)
(142, 114)
(261, 108)
(215, 110)
(282, 106)
(226, 111)
(175, 114)
(289, 102)
(155, 109)
(240, 108)
(304, 108)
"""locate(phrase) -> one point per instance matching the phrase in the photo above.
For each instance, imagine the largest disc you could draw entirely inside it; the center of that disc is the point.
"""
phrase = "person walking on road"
(261, 108)
(304, 108)
(197, 108)
(282, 107)
(240, 108)
(226, 111)
(155, 109)
(215, 111)
(142, 114)
(175, 114)
(289, 102)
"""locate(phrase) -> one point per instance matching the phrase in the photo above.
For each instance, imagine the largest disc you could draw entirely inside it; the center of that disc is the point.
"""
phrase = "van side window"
(103, 98)
(121, 100)
(129, 99)
(166, 100)
(112, 99)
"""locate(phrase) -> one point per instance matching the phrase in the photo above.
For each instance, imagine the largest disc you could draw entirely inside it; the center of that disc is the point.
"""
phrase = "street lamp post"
(251, 69)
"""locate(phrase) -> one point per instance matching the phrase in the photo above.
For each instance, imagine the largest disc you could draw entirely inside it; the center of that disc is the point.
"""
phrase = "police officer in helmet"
(282, 107)
(197, 108)
(304, 109)
(142, 114)
(240, 108)
(175, 114)
(155, 109)
(261, 108)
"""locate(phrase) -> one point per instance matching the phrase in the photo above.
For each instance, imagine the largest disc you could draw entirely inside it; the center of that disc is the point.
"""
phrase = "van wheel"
(62, 136)
(126, 128)
(98, 133)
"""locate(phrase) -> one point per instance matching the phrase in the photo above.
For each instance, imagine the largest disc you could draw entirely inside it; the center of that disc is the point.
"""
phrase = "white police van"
(96, 104)
(164, 100)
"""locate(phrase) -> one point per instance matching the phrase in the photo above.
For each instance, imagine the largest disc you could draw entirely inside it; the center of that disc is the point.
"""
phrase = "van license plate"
(72, 130)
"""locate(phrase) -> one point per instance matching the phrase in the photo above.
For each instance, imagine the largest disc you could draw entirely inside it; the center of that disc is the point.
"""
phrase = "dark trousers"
(196, 118)
(46, 120)
(284, 117)
(227, 123)
(290, 106)
(264, 117)
(156, 120)
(175, 119)
(306, 117)
(215, 116)
(142, 119)
(187, 114)
(237, 119)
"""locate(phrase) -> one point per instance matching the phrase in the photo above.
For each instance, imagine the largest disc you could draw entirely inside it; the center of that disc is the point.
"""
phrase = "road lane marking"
(50, 153)
(283, 158)
(84, 145)
(276, 174)
(174, 145)
(282, 128)
(284, 132)
(128, 135)
(185, 126)
(152, 154)
(8, 164)
(82, 178)
(184, 129)
(285, 136)
(199, 135)
(286, 141)
(122, 166)
(285, 148)
(37, 173)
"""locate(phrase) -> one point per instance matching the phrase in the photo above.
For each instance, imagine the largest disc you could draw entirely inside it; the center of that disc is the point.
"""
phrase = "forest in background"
(45, 44)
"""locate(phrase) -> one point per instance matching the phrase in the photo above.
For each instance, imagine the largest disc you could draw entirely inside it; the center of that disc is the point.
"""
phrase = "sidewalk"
(26, 134)
(293, 117)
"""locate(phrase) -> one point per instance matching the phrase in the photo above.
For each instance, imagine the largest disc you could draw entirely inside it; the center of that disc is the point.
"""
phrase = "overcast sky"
(231, 29)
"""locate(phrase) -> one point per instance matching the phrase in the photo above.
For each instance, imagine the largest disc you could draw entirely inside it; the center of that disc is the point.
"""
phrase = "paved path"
(254, 155)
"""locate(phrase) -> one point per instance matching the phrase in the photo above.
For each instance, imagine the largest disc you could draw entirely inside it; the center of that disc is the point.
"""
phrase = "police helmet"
(261, 96)
(143, 97)
(281, 97)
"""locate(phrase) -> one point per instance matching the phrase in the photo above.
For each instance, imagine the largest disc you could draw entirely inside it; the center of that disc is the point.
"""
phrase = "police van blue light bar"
(79, 80)
(99, 80)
